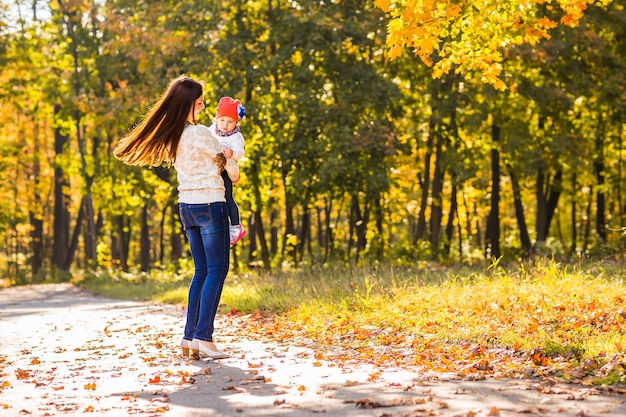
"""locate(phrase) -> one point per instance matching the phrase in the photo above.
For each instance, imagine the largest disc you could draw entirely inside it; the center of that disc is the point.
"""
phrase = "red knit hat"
(230, 107)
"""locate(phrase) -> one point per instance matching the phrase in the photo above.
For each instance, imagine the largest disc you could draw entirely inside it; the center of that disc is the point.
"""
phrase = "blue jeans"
(206, 227)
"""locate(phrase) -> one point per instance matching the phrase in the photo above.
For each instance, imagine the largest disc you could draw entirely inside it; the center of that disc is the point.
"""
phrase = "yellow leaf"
(384, 5)
(453, 10)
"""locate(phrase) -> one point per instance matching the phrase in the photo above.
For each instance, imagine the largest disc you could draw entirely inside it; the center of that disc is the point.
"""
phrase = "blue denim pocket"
(210, 218)
(195, 215)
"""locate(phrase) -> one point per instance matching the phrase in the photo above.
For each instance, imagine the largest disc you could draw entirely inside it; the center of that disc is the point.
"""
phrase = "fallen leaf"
(532, 410)
(234, 388)
(495, 412)
(22, 374)
(373, 376)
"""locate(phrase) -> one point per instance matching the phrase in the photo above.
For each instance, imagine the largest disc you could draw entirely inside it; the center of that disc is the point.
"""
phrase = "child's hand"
(228, 153)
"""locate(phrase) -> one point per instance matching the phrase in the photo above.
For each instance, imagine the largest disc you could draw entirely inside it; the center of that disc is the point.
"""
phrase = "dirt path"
(65, 352)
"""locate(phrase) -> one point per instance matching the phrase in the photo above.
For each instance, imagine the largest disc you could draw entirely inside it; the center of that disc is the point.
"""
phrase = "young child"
(226, 128)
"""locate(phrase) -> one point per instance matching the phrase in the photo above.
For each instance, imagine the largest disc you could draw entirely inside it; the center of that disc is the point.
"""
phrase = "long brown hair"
(156, 137)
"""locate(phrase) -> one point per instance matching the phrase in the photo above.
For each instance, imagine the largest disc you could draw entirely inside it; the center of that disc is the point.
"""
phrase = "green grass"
(158, 285)
(567, 310)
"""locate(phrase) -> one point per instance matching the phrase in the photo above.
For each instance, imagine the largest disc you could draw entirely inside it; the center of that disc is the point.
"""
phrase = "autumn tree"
(470, 37)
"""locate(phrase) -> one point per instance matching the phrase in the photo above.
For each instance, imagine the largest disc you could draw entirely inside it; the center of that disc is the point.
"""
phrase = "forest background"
(392, 132)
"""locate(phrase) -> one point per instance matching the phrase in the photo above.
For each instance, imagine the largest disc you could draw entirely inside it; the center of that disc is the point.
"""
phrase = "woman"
(170, 133)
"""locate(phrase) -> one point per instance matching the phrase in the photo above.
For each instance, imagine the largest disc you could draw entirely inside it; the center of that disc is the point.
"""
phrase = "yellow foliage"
(296, 58)
(452, 11)
(384, 5)
(547, 23)
(486, 26)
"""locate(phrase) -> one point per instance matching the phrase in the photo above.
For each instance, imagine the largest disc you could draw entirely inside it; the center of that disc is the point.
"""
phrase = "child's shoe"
(237, 231)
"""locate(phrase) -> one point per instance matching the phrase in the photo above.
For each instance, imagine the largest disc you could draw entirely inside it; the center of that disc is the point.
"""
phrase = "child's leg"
(233, 208)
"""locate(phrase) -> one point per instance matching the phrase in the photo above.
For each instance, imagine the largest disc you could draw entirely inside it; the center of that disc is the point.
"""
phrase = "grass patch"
(158, 285)
(568, 311)
(546, 305)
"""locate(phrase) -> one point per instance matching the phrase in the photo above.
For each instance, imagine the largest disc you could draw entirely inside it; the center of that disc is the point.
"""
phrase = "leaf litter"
(130, 364)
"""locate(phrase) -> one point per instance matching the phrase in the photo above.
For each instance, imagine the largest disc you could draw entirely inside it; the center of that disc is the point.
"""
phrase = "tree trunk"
(492, 236)
(519, 215)
(355, 216)
(587, 225)
(144, 242)
(320, 227)
(547, 200)
(274, 232)
(61, 221)
(361, 225)
(358, 226)
(380, 226)
(256, 223)
(574, 231)
(119, 242)
(450, 223)
(35, 213)
(160, 255)
(90, 237)
(71, 251)
(290, 228)
(328, 232)
(424, 182)
(436, 209)
(252, 245)
(542, 208)
(36, 236)
(176, 237)
(620, 164)
(260, 234)
(598, 169)
(304, 239)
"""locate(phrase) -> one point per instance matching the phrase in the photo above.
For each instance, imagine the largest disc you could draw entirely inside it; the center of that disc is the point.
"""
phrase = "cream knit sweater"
(198, 177)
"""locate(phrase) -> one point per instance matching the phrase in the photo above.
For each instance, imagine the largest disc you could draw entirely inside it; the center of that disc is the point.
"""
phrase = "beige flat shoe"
(202, 350)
